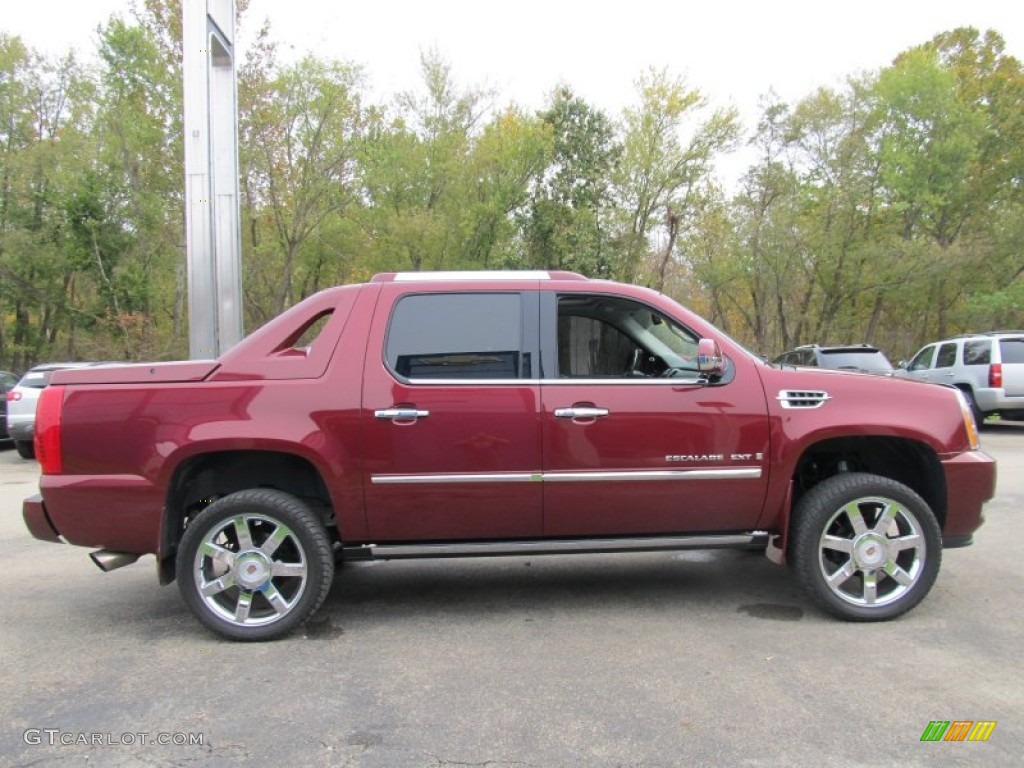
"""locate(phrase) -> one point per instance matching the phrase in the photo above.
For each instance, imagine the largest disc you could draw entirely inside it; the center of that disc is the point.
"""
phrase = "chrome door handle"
(580, 413)
(401, 414)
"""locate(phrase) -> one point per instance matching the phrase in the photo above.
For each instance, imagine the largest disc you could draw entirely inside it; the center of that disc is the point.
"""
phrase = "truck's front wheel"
(254, 565)
(865, 547)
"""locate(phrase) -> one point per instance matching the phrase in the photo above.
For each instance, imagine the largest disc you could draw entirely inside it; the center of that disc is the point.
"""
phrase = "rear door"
(451, 416)
(944, 371)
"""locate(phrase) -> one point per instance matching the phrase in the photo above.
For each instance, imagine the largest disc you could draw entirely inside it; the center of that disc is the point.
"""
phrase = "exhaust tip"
(108, 560)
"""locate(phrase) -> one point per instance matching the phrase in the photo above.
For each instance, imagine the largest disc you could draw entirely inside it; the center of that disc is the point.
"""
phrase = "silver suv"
(988, 367)
(21, 404)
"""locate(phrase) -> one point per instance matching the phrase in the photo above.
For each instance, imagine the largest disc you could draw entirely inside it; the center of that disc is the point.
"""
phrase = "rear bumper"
(33, 509)
(116, 512)
(970, 482)
(998, 400)
(22, 433)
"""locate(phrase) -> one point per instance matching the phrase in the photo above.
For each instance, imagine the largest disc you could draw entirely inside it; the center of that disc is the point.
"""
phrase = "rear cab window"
(35, 379)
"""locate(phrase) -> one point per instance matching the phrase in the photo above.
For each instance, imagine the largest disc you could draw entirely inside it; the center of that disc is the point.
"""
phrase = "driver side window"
(612, 337)
(589, 348)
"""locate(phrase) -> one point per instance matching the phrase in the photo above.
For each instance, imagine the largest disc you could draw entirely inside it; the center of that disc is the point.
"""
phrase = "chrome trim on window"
(731, 473)
(550, 382)
(468, 382)
(631, 382)
(800, 398)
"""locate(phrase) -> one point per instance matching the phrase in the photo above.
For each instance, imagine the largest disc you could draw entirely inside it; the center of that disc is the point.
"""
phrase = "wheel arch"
(907, 461)
(203, 478)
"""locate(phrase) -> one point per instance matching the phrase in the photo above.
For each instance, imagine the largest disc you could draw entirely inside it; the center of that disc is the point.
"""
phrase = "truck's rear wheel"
(255, 565)
(864, 547)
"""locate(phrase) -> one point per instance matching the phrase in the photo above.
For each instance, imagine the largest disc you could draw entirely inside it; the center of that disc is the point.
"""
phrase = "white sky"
(734, 51)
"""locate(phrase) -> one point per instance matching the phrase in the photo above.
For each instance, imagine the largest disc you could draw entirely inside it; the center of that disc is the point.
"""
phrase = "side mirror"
(710, 359)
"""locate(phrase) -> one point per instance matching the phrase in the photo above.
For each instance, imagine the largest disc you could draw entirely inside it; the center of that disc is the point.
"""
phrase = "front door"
(634, 442)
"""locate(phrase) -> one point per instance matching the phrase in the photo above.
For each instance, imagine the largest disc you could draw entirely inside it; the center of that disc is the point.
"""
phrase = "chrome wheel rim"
(872, 552)
(250, 570)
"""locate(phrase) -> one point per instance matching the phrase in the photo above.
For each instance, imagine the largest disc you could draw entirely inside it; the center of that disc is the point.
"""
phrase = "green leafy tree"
(668, 155)
(564, 227)
(418, 171)
(300, 126)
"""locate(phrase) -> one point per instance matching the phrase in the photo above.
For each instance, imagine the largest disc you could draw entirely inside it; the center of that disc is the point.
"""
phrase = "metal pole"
(211, 176)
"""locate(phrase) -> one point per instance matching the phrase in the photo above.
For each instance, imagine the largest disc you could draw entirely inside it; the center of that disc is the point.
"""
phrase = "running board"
(754, 539)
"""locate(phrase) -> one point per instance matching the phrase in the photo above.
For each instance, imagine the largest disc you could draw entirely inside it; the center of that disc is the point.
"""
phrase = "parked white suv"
(988, 367)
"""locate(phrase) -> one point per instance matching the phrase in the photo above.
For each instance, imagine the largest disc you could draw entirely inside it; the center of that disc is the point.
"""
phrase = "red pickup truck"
(490, 413)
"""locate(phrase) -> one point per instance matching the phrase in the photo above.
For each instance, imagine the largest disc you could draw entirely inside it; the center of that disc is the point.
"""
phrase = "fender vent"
(798, 398)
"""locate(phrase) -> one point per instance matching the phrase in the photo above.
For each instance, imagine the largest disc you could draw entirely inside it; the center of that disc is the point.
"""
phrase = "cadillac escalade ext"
(499, 413)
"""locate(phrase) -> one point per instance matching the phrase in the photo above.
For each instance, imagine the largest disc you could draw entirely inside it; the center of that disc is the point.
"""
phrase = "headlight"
(969, 425)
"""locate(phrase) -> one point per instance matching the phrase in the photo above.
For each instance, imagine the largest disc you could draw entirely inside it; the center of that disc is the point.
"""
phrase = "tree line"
(886, 210)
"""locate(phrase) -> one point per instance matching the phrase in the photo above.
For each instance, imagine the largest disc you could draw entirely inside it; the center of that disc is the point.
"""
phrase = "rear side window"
(977, 352)
(456, 336)
(946, 357)
(35, 379)
(1012, 350)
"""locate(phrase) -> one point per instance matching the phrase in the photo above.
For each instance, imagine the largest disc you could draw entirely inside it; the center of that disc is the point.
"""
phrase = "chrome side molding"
(750, 539)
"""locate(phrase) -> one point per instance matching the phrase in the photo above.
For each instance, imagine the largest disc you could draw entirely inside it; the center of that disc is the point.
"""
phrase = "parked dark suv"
(987, 367)
(862, 358)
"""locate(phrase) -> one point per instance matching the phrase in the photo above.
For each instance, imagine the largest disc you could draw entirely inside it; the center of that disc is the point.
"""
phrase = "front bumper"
(970, 482)
(21, 433)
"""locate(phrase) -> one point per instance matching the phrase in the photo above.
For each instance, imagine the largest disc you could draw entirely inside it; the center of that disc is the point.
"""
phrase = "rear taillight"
(995, 375)
(47, 429)
(13, 395)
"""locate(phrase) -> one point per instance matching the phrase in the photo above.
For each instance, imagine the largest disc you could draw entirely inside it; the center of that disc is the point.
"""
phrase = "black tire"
(264, 587)
(25, 449)
(855, 564)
